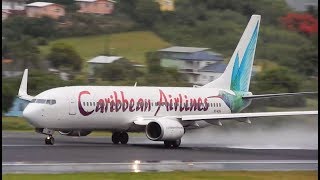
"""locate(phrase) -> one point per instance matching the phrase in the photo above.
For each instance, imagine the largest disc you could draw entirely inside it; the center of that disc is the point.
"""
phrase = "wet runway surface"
(26, 152)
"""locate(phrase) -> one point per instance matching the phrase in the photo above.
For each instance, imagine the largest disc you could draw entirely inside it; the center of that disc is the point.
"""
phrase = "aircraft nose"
(31, 114)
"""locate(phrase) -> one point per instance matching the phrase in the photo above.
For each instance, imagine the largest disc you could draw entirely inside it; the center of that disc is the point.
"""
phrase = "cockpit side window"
(44, 101)
(53, 101)
(41, 101)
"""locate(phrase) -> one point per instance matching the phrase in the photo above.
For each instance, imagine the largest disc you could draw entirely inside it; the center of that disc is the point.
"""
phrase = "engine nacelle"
(164, 129)
(75, 132)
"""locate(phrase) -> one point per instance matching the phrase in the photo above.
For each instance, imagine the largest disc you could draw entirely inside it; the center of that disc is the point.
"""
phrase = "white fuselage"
(117, 107)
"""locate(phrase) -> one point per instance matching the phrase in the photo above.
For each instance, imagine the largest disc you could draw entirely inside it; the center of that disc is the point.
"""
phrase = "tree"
(278, 80)
(153, 63)
(120, 70)
(63, 55)
(39, 81)
(9, 92)
(147, 12)
(313, 10)
(300, 22)
(16, 27)
(308, 64)
(24, 52)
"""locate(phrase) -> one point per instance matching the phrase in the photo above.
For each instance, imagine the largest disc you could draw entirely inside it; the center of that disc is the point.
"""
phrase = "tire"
(49, 140)
(167, 144)
(124, 138)
(176, 143)
(115, 137)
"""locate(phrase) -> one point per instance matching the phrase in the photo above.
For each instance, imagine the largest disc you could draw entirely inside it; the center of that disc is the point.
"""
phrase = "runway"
(26, 152)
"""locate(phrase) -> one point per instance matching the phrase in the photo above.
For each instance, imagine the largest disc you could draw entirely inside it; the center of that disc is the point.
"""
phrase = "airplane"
(163, 113)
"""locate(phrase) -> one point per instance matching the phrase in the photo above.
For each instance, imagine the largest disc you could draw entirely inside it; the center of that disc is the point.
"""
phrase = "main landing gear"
(174, 144)
(49, 140)
(121, 137)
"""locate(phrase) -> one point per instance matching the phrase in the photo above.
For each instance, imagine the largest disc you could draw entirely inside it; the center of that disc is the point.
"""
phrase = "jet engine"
(164, 129)
(74, 132)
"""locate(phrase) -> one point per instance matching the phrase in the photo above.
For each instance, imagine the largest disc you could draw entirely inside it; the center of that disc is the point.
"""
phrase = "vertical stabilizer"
(238, 72)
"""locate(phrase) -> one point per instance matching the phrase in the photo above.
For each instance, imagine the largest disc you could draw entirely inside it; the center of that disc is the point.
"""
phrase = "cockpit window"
(41, 101)
(44, 101)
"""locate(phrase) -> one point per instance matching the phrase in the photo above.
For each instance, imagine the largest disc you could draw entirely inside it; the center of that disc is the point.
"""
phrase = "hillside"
(131, 45)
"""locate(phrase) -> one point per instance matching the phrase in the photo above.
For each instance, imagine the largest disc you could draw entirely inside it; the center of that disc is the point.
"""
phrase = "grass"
(131, 45)
(223, 175)
(16, 123)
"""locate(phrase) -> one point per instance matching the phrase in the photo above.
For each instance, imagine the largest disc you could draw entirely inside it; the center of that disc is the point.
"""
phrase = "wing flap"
(244, 115)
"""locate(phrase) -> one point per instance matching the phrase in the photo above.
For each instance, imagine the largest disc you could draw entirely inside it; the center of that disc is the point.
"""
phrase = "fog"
(285, 135)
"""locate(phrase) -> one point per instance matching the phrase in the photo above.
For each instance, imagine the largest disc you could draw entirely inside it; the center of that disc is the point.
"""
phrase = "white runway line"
(169, 162)
(161, 166)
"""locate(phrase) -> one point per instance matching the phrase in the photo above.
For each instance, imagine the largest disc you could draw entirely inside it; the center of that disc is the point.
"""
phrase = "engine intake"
(164, 129)
(75, 132)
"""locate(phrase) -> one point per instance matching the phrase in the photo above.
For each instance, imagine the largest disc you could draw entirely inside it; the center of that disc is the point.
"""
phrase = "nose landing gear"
(49, 140)
(121, 137)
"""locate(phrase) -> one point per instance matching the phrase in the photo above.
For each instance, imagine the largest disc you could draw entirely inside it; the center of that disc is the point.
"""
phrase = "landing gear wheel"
(174, 144)
(49, 140)
(167, 144)
(115, 137)
(124, 137)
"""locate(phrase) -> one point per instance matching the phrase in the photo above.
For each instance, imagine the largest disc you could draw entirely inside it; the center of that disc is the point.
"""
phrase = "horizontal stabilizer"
(277, 95)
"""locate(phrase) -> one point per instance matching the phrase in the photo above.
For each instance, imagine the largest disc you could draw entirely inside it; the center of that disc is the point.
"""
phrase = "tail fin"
(238, 72)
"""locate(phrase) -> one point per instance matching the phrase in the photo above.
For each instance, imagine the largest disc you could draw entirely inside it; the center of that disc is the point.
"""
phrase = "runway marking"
(168, 162)
(138, 166)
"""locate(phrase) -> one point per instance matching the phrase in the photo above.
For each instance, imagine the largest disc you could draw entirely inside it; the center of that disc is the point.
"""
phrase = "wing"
(244, 115)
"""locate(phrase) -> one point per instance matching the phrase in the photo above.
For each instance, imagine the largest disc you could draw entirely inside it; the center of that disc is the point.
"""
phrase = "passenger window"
(84, 104)
(90, 103)
(48, 101)
(33, 100)
(87, 103)
(94, 103)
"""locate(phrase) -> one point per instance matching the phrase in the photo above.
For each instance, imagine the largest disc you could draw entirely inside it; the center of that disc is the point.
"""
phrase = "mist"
(285, 135)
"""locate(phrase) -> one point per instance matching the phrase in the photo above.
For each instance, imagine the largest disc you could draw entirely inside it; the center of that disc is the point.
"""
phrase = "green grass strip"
(179, 175)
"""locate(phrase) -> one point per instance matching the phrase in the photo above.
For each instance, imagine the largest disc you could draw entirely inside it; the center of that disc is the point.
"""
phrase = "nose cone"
(31, 113)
